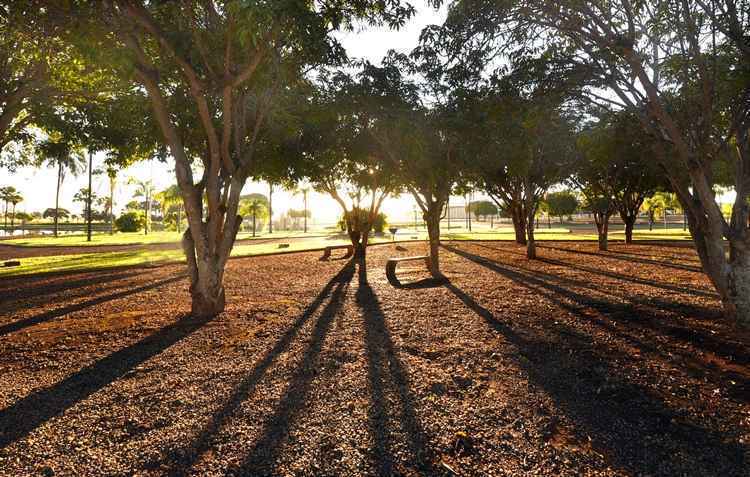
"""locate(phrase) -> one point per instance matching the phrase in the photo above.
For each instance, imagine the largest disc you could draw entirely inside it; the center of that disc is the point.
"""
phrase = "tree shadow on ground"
(184, 459)
(611, 313)
(21, 418)
(624, 313)
(626, 258)
(50, 315)
(264, 454)
(633, 429)
(387, 374)
(17, 298)
(617, 276)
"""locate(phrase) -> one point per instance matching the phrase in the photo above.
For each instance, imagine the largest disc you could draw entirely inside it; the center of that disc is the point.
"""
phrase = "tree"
(170, 198)
(483, 208)
(340, 158)
(66, 156)
(256, 208)
(561, 204)
(421, 142)
(6, 193)
(683, 68)
(146, 190)
(54, 213)
(216, 71)
(82, 196)
(526, 148)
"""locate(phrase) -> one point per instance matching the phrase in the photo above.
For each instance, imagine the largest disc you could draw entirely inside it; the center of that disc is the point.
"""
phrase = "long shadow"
(624, 421)
(30, 288)
(617, 276)
(384, 369)
(265, 452)
(50, 315)
(624, 312)
(190, 453)
(22, 417)
(545, 278)
(626, 258)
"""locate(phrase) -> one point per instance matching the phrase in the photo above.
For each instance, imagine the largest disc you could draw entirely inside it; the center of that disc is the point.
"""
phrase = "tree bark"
(13, 219)
(602, 228)
(737, 303)
(432, 217)
(530, 242)
(629, 221)
(519, 223)
(206, 273)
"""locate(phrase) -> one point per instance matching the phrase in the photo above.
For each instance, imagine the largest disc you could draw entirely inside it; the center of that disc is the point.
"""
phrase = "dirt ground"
(580, 363)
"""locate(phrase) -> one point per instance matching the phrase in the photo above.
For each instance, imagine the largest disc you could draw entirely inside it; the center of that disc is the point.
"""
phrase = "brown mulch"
(580, 363)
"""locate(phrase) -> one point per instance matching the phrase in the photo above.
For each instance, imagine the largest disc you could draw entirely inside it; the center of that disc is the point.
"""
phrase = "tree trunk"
(205, 272)
(602, 227)
(530, 243)
(253, 223)
(13, 219)
(57, 195)
(179, 216)
(519, 224)
(432, 217)
(629, 221)
(737, 303)
(650, 222)
(5, 217)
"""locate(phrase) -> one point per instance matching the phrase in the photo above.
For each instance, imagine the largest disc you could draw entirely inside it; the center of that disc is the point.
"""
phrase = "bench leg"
(326, 254)
(349, 251)
(390, 273)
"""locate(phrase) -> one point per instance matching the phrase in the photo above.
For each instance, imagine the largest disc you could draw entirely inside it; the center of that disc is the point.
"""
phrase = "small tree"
(483, 208)
(561, 204)
(146, 190)
(255, 208)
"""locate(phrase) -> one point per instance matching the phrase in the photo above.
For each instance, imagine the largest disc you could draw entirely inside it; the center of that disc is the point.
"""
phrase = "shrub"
(130, 221)
(378, 225)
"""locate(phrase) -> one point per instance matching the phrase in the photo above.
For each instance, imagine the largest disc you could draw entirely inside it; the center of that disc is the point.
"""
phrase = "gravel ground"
(580, 363)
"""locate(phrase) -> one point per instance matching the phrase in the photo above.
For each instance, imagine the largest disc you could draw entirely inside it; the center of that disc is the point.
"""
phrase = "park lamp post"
(88, 199)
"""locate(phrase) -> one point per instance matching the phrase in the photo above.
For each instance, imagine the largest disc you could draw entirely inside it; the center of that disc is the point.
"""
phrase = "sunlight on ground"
(93, 261)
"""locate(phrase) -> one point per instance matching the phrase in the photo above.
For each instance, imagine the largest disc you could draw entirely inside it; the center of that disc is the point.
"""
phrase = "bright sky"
(38, 185)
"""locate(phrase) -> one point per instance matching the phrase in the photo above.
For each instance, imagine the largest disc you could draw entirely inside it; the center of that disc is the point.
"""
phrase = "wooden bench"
(329, 249)
(390, 267)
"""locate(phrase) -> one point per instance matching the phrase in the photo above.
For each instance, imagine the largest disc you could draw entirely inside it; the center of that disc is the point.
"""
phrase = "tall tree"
(58, 152)
(684, 67)
(216, 68)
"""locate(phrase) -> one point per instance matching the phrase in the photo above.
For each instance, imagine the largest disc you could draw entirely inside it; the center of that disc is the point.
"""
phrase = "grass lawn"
(126, 238)
(92, 261)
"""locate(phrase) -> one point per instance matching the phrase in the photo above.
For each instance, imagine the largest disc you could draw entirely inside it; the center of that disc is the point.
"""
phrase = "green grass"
(127, 238)
(93, 261)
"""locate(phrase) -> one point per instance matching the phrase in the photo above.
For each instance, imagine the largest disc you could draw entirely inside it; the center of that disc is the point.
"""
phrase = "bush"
(130, 221)
(378, 225)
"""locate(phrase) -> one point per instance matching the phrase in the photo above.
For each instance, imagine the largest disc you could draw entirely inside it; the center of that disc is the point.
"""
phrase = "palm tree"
(168, 198)
(304, 191)
(57, 152)
(254, 207)
(14, 199)
(146, 190)
(5, 194)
